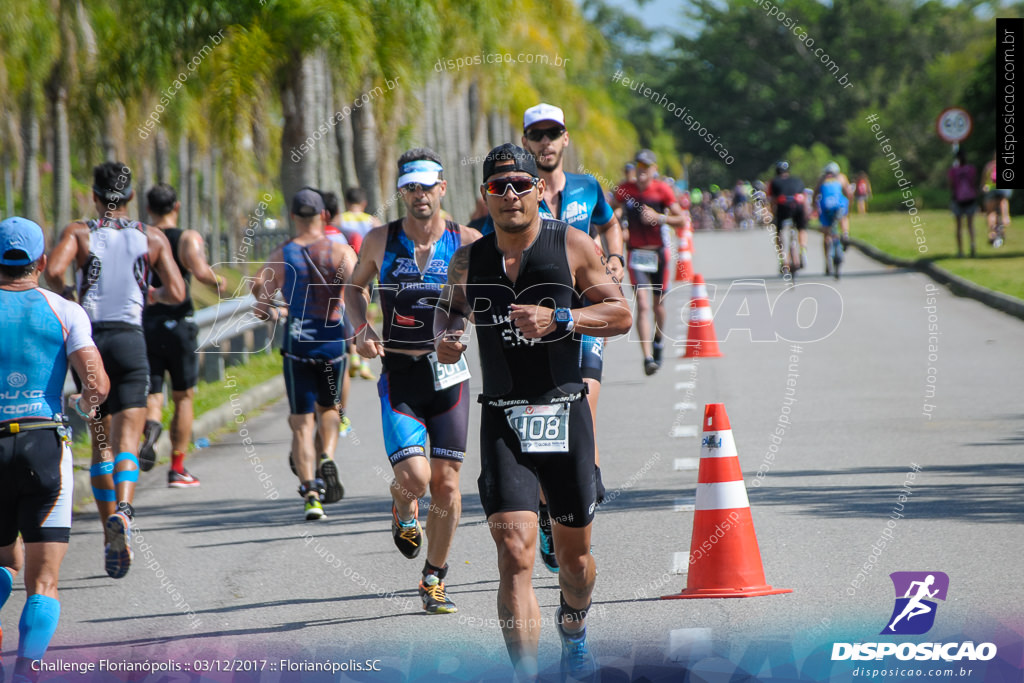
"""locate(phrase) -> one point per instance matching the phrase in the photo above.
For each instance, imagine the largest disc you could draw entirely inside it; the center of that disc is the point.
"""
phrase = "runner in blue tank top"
(419, 398)
(311, 272)
(36, 481)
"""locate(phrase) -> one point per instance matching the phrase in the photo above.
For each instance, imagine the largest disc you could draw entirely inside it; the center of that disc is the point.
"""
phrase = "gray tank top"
(112, 284)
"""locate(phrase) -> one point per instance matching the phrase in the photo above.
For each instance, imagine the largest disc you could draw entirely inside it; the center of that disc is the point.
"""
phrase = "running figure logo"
(914, 612)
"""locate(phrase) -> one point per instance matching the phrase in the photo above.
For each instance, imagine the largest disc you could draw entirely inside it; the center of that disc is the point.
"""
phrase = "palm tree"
(77, 46)
(30, 36)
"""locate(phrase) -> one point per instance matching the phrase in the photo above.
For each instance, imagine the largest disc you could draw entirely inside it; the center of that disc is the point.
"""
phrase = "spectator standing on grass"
(996, 204)
(862, 192)
(963, 186)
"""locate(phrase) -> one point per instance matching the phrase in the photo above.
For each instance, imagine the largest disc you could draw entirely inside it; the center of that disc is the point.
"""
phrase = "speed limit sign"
(953, 124)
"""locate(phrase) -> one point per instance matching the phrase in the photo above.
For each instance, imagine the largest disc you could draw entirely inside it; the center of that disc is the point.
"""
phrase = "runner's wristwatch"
(563, 320)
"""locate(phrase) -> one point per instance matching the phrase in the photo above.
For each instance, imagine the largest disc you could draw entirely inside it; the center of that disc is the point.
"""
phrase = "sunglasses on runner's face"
(538, 134)
(642, 168)
(520, 186)
(413, 188)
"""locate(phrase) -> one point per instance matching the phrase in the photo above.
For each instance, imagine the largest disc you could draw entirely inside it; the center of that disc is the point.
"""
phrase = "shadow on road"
(996, 501)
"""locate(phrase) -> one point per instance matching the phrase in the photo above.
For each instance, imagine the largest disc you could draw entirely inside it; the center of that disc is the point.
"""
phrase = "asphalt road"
(263, 584)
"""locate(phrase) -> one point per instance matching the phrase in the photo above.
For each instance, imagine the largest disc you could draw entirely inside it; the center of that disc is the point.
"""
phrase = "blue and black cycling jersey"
(408, 295)
(583, 205)
(832, 202)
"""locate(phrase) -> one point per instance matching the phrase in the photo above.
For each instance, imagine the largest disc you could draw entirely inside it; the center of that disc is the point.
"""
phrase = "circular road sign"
(954, 124)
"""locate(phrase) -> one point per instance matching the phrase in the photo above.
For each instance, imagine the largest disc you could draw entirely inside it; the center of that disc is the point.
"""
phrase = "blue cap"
(21, 241)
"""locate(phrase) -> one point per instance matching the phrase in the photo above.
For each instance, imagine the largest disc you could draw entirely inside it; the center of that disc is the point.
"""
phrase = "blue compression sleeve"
(38, 624)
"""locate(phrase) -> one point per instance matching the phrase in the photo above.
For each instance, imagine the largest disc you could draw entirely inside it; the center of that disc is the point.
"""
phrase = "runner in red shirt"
(649, 208)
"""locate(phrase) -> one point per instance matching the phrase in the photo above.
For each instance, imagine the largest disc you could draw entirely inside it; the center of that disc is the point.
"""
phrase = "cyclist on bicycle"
(786, 192)
(833, 205)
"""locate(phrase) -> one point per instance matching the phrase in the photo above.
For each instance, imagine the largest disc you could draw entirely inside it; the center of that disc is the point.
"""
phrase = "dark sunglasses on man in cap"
(538, 134)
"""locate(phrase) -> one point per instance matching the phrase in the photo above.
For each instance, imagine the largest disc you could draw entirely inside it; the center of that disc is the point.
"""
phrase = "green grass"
(203, 296)
(999, 269)
(259, 368)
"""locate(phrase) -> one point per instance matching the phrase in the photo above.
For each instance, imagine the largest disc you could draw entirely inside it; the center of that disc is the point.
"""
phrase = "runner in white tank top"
(112, 257)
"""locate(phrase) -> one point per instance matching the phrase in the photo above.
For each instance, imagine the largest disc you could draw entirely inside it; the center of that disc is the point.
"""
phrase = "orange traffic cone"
(725, 561)
(684, 256)
(700, 338)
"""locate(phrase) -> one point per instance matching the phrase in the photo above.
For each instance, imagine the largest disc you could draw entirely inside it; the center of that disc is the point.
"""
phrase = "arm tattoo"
(458, 271)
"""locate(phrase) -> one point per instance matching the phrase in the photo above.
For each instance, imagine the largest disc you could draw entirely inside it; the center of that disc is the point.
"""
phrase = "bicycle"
(794, 262)
(834, 243)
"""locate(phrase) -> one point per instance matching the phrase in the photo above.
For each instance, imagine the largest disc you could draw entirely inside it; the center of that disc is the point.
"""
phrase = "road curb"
(961, 287)
(205, 424)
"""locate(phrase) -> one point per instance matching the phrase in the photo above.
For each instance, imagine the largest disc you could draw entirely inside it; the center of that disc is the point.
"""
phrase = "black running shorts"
(510, 480)
(36, 482)
(311, 383)
(659, 280)
(123, 350)
(591, 357)
(413, 411)
(172, 347)
(794, 211)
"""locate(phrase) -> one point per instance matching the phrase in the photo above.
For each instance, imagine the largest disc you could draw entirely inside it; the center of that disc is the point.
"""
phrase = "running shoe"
(118, 550)
(333, 488)
(314, 509)
(408, 536)
(181, 480)
(657, 348)
(547, 544)
(650, 366)
(577, 660)
(345, 426)
(360, 369)
(147, 453)
(435, 600)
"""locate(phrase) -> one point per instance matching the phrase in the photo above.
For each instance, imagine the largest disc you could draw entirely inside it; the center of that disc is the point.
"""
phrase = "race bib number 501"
(448, 375)
(541, 428)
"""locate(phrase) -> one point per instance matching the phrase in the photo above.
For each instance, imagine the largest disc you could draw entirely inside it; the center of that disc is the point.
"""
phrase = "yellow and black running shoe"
(435, 600)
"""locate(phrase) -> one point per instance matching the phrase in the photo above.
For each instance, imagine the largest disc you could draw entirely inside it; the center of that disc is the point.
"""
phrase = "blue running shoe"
(577, 661)
(547, 542)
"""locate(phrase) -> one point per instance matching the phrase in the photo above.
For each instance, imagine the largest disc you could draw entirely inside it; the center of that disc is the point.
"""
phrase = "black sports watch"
(563, 320)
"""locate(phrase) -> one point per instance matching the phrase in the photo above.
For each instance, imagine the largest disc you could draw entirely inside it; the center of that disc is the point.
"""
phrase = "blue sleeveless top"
(408, 296)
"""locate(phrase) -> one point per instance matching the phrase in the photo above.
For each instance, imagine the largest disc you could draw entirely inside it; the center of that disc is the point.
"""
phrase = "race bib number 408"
(541, 428)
